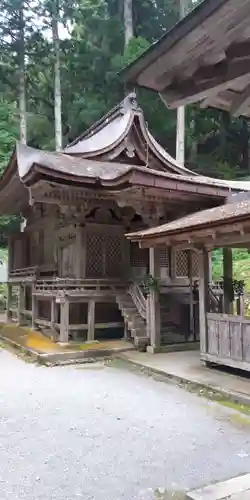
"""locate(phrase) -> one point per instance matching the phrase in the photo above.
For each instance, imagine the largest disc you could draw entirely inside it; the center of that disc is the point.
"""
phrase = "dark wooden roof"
(123, 131)
(205, 57)
(30, 168)
(212, 227)
(205, 218)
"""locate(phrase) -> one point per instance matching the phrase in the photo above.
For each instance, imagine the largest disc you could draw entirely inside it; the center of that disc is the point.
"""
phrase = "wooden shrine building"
(72, 272)
(205, 58)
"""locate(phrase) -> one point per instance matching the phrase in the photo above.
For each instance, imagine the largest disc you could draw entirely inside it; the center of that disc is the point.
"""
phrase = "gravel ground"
(103, 433)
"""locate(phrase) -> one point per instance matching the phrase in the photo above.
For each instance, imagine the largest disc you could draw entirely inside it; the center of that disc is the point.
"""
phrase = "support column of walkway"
(228, 280)
(154, 315)
(203, 298)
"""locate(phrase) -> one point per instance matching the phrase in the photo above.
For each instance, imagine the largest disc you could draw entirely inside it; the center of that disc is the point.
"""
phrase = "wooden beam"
(240, 102)
(237, 232)
(204, 83)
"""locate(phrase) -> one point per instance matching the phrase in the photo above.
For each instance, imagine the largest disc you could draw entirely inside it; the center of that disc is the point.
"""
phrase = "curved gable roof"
(124, 129)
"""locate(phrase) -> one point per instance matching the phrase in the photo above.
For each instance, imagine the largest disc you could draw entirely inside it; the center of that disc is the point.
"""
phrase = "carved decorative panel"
(181, 264)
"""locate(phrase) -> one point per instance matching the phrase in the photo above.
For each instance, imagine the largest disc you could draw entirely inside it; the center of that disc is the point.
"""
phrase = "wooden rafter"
(205, 82)
(240, 102)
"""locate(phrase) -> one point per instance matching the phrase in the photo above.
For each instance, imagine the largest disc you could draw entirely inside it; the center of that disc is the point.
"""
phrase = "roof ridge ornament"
(130, 103)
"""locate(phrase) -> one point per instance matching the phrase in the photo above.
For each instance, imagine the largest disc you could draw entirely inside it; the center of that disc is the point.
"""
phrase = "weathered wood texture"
(203, 299)
(229, 337)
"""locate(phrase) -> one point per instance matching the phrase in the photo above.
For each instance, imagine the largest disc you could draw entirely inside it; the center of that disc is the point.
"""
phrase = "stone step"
(125, 304)
(130, 311)
(136, 323)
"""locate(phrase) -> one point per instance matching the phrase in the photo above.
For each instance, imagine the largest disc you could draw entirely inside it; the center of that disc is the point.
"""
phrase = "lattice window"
(195, 265)
(139, 257)
(113, 257)
(104, 256)
(181, 264)
(162, 256)
(95, 255)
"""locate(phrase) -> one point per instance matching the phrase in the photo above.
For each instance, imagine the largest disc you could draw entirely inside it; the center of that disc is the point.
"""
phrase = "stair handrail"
(138, 299)
(214, 299)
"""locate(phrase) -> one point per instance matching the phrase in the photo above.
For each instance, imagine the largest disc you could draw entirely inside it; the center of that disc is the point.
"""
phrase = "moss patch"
(28, 338)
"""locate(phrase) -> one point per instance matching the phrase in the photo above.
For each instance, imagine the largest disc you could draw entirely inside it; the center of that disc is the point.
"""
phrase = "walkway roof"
(213, 228)
(205, 57)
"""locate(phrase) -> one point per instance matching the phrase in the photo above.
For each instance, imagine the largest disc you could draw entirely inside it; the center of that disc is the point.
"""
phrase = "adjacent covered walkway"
(225, 332)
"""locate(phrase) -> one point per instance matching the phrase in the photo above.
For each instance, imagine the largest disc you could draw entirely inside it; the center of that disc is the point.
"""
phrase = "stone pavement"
(97, 432)
(186, 367)
(234, 489)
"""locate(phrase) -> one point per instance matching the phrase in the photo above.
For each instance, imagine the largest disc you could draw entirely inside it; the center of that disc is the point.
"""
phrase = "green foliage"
(150, 283)
(8, 131)
(241, 267)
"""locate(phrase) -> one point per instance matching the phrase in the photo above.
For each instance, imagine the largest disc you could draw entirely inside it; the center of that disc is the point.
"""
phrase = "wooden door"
(67, 261)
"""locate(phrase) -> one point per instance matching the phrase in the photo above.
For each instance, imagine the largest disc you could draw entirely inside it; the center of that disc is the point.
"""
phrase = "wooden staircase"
(132, 305)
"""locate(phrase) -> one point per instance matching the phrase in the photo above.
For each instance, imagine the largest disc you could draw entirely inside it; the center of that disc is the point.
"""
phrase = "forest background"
(59, 73)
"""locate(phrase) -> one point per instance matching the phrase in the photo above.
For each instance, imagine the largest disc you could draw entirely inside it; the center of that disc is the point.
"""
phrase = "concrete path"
(188, 367)
(105, 433)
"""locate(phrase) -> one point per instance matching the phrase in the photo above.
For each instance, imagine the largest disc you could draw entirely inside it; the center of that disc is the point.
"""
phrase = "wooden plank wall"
(229, 336)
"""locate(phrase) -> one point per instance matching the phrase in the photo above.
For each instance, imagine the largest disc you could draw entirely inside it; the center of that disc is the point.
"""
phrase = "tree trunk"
(57, 77)
(180, 123)
(180, 136)
(22, 93)
(128, 21)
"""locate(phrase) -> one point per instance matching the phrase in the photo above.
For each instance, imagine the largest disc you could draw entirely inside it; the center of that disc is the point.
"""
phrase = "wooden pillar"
(228, 280)
(203, 299)
(126, 265)
(91, 320)
(53, 313)
(191, 333)
(20, 306)
(64, 321)
(78, 253)
(84, 256)
(10, 255)
(34, 309)
(9, 303)
(154, 303)
(126, 330)
(210, 266)
(240, 305)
